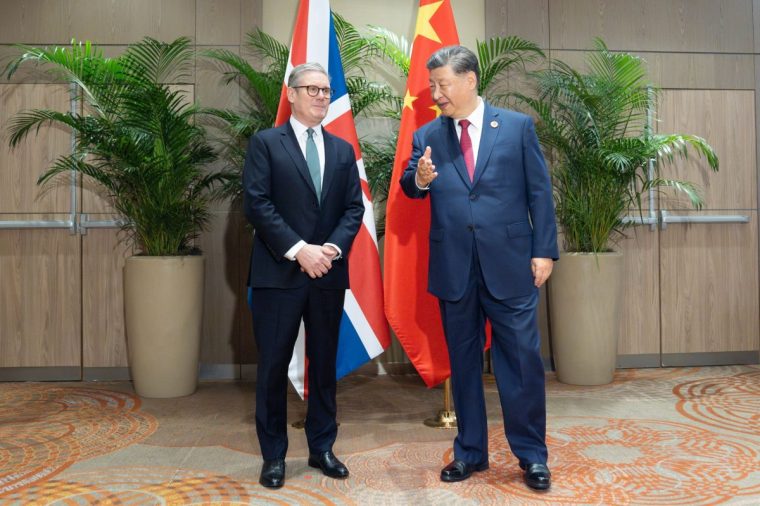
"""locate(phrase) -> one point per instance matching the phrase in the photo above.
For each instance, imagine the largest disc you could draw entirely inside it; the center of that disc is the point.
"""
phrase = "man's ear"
(292, 95)
(472, 80)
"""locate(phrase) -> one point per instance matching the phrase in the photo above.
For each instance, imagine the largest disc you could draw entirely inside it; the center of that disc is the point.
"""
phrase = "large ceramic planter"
(585, 302)
(163, 307)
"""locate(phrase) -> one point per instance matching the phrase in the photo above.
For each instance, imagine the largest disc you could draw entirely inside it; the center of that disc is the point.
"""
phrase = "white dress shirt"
(475, 130)
(302, 135)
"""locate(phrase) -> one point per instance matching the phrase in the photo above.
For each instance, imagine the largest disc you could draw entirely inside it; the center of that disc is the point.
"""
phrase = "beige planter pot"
(585, 302)
(163, 307)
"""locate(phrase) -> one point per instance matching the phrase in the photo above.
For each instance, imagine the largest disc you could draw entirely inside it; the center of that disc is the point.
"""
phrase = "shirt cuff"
(423, 188)
(291, 253)
(340, 253)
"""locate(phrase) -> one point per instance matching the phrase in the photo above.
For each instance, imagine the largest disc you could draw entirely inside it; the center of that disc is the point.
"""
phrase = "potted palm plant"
(137, 139)
(594, 129)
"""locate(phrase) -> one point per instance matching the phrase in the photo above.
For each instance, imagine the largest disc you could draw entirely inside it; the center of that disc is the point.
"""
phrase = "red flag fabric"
(412, 312)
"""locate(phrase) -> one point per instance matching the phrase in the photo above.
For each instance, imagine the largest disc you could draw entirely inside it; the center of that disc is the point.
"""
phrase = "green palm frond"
(395, 48)
(273, 53)
(367, 96)
(355, 50)
(499, 55)
(593, 127)
(139, 139)
(159, 62)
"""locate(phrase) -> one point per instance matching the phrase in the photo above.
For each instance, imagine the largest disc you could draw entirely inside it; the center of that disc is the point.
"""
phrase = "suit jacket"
(281, 203)
(507, 210)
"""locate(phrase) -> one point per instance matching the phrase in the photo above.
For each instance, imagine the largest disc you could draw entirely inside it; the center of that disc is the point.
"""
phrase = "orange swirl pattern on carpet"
(730, 403)
(45, 429)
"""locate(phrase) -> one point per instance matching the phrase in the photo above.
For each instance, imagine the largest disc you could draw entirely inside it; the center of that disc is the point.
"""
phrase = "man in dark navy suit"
(493, 242)
(303, 197)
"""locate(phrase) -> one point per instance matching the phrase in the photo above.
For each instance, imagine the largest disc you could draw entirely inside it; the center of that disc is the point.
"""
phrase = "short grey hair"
(299, 70)
(461, 60)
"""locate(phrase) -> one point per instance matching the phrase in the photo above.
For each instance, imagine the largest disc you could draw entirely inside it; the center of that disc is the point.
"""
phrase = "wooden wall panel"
(686, 70)
(218, 22)
(103, 336)
(20, 167)
(251, 16)
(211, 91)
(528, 19)
(710, 287)
(104, 21)
(640, 321)
(39, 298)
(653, 25)
(220, 342)
(726, 119)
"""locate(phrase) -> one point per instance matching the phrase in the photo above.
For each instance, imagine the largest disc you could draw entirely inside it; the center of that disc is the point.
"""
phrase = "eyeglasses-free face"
(313, 91)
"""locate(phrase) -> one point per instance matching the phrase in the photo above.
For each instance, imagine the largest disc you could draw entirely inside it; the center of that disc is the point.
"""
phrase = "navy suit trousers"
(517, 365)
(277, 316)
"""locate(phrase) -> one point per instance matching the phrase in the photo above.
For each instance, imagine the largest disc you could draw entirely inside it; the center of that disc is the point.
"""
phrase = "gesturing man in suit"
(493, 241)
(303, 197)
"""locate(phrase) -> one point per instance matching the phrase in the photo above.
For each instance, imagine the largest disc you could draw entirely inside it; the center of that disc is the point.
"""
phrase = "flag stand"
(446, 418)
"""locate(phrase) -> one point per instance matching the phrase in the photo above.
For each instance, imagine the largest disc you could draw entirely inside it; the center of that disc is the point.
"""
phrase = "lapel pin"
(494, 124)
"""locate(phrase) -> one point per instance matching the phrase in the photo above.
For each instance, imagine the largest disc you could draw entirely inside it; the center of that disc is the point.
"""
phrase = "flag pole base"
(443, 420)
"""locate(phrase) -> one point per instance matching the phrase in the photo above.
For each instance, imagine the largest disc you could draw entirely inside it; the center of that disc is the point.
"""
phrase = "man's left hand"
(542, 269)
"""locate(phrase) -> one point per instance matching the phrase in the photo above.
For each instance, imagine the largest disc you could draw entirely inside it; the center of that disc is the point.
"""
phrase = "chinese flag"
(413, 312)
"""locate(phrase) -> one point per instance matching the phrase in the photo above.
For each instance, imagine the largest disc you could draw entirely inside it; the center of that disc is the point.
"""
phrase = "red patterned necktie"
(466, 144)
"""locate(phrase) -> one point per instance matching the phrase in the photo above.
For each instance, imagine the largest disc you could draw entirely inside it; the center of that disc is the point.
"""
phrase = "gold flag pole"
(446, 418)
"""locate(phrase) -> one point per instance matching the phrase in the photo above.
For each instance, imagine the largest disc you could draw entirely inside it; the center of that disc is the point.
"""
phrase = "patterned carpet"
(687, 436)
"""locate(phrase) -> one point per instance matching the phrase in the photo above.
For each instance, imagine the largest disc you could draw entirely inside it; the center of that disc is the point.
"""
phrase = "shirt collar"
(300, 129)
(476, 117)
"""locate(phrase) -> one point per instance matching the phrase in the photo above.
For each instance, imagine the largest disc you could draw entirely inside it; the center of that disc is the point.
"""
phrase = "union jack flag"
(363, 330)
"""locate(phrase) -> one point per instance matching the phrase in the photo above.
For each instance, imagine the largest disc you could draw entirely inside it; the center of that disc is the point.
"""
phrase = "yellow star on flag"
(424, 27)
(436, 110)
(409, 100)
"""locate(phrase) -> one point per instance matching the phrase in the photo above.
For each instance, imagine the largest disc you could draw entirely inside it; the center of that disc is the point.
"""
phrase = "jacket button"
(473, 196)
(470, 227)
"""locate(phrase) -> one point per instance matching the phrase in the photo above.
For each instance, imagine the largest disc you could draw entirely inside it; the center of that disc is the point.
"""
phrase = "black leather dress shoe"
(459, 470)
(273, 473)
(537, 476)
(329, 464)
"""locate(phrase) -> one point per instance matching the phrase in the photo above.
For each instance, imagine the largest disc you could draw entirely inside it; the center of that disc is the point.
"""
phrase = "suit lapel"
(290, 143)
(488, 135)
(331, 159)
(455, 151)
